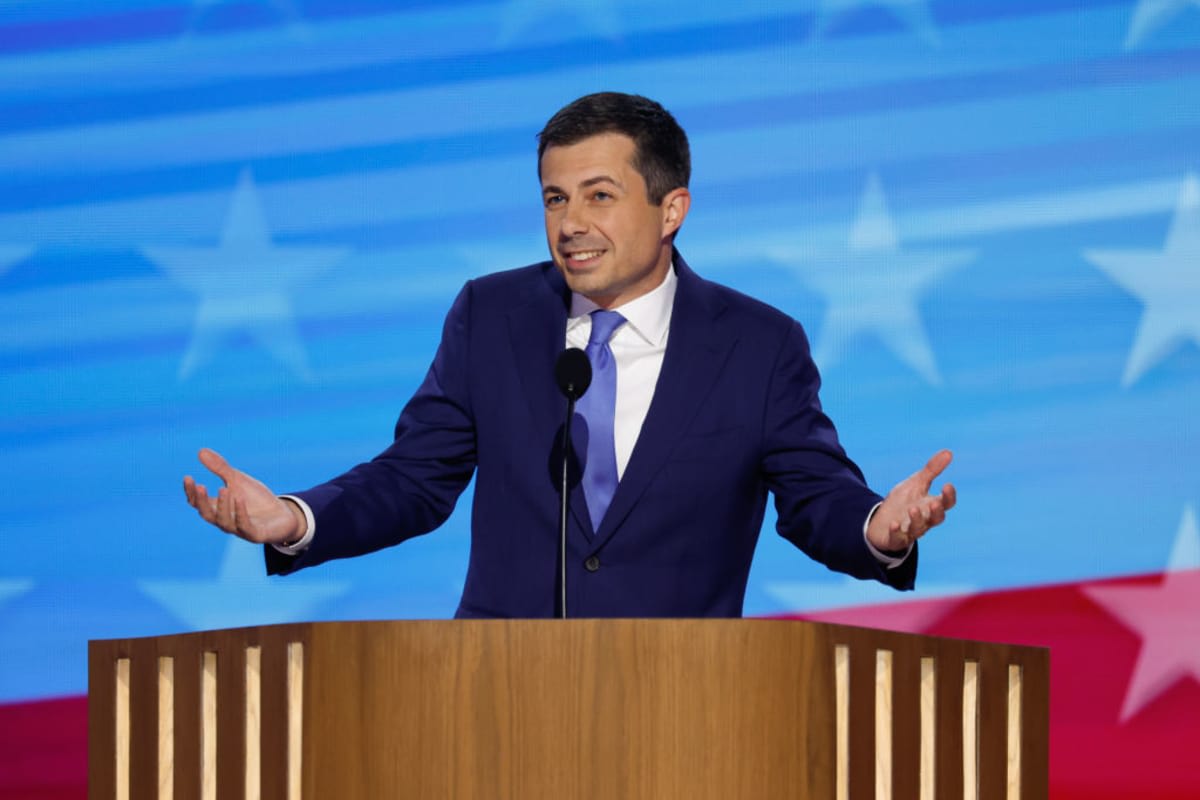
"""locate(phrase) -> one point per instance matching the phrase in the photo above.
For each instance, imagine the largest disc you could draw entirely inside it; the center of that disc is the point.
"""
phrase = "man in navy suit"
(714, 405)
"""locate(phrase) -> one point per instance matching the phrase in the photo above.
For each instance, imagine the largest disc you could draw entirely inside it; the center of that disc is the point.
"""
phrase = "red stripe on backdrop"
(1096, 650)
(43, 750)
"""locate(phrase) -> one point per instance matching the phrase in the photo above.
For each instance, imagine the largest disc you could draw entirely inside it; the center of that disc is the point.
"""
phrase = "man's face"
(609, 241)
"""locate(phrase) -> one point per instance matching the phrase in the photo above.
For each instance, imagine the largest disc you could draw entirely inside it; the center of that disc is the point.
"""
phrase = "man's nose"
(574, 220)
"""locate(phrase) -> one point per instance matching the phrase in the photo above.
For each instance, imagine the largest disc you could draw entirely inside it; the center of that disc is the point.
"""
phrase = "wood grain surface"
(529, 709)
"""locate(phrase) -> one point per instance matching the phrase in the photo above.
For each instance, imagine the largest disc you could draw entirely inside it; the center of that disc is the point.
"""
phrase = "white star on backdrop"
(593, 16)
(244, 284)
(1166, 617)
(241, 595)
(1150, 15)
(1167, 282)
(913, 13)
(873, 286)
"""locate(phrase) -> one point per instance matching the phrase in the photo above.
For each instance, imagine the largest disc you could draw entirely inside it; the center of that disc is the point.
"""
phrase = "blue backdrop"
(238, 224)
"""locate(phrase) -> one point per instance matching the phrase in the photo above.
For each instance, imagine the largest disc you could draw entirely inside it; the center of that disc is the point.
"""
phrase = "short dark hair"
(661, 154)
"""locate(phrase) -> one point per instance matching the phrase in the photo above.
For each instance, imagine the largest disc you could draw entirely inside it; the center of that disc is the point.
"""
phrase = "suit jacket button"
(592, 564)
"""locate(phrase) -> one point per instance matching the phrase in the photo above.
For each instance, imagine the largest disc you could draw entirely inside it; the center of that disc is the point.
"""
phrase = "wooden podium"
(530, 709)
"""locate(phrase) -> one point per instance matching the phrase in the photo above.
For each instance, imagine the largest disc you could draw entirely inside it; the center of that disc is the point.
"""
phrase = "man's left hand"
(909, 510)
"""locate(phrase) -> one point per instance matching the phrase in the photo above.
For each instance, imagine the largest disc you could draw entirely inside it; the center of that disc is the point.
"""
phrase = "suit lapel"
(697, 348)
(537, 332)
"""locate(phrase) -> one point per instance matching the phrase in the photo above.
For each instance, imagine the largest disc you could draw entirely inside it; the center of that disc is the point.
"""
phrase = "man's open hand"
(909, 510)
(244, 506)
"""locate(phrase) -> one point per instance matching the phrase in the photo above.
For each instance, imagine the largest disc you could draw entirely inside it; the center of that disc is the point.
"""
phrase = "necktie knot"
(604, 323)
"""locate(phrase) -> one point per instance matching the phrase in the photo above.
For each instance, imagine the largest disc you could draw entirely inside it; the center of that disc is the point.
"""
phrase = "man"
(703, 401)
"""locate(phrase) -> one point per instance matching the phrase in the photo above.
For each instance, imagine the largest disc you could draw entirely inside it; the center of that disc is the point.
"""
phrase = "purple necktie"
(598, 406)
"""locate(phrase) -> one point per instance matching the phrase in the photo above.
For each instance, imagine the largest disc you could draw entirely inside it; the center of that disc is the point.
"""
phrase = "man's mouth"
(583, 256)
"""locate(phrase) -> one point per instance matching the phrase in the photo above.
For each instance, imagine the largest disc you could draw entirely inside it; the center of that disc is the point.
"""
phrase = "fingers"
(223, 512)
(226, 511)
(914, 522)
(935, 467)
(920, 518)
(937, 515)
(933, 512)
(230, 509)
(198, 499)
(215, 462)
(949, 496)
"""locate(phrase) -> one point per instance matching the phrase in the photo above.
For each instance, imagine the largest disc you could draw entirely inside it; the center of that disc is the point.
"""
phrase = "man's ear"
(675, 207)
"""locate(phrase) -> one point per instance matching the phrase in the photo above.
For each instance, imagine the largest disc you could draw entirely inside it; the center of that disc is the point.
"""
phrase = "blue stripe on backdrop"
(34, 191)
(401, 58)
(253, 65)
(53, 26)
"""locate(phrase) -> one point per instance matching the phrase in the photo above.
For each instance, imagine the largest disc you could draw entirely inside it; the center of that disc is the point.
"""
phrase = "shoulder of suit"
(515, 286)
(747, 311)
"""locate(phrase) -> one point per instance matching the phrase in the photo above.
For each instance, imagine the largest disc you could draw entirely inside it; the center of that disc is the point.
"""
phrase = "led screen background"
(239, 225)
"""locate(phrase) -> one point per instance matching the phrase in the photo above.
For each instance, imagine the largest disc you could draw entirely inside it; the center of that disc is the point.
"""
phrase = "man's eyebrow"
(603, 179)
(552, 189)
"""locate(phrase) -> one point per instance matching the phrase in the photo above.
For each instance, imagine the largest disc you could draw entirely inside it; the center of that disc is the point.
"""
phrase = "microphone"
(573, 374)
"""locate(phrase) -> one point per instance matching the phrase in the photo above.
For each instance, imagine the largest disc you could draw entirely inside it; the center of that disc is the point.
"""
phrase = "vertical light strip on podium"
(970, 730)
(121, 722)
(253, 723)
(883, 725)
(1014, 731)
(841, 677)
(928, 767)
(208, 727)
(166, 728)
(295, 716)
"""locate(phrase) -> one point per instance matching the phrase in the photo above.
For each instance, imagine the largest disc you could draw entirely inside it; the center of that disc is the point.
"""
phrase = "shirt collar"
(649, 316)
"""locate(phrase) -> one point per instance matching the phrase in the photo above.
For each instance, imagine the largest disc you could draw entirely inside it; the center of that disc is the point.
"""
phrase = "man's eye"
(554, 200)
(602, 196)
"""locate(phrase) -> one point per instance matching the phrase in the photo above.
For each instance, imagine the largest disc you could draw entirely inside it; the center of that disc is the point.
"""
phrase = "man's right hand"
(244, 506)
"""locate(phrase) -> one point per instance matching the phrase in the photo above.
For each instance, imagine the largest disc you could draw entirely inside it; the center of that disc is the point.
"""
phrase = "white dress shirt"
(638, 346)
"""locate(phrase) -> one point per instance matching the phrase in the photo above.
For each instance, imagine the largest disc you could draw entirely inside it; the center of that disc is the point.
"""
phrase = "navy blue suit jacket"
(735, 416)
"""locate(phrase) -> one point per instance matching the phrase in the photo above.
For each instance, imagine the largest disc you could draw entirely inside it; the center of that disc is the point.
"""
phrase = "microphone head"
(573, 373)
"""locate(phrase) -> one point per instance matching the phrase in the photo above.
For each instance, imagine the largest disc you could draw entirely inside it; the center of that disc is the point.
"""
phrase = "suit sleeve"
(821, 496)
(412, 486)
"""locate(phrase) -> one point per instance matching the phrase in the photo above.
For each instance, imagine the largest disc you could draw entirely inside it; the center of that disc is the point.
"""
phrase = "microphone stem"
(563, 507)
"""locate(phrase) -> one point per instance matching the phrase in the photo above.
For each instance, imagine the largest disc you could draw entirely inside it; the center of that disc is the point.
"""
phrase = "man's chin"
(591, 288)
(582, 281)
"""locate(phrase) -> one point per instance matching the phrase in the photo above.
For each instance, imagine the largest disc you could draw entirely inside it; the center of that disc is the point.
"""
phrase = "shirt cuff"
(299, 546)
(888, 561)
